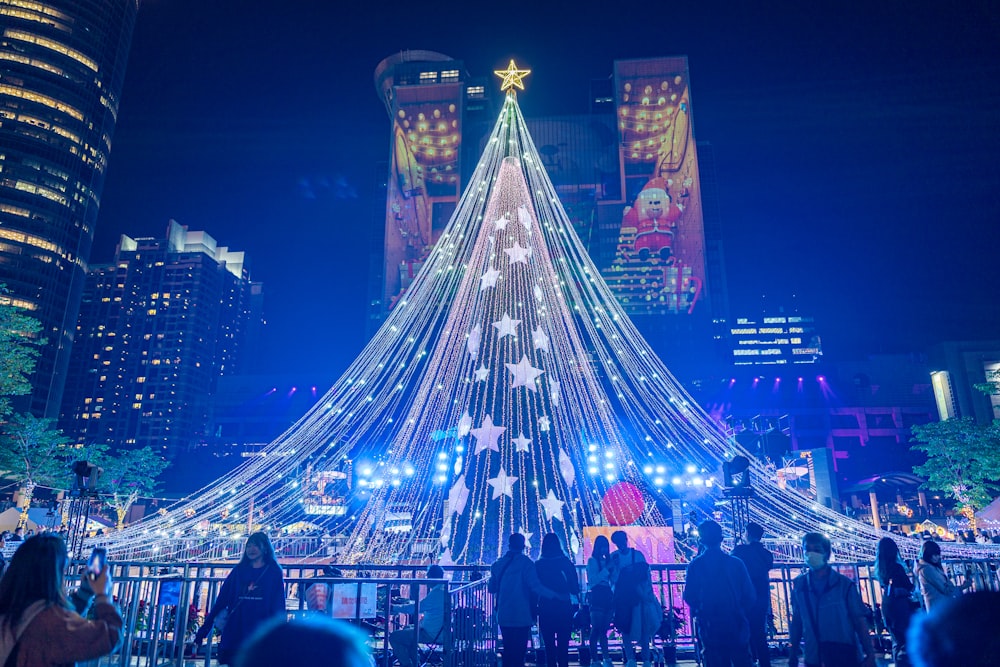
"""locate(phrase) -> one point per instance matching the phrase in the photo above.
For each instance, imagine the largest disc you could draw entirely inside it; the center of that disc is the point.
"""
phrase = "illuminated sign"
(781, 340)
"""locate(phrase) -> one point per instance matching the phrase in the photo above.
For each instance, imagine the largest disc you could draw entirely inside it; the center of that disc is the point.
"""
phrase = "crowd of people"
(931, 621)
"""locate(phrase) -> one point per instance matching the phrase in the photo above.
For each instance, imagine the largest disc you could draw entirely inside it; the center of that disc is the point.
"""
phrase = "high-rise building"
(62, 65)
(627, 170)
(157, 328)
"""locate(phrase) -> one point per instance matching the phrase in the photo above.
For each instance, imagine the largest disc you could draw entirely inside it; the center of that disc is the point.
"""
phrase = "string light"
(489, 403)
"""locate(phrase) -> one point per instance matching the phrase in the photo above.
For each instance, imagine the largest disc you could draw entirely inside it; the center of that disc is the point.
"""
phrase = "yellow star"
(512, 76)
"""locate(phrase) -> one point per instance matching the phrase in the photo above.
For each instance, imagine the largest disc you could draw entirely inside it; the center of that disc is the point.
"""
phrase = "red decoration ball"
(622, 504)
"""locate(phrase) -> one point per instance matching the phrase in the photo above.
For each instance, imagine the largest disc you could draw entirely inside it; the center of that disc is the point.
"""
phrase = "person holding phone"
(38, 623)
(254, 592)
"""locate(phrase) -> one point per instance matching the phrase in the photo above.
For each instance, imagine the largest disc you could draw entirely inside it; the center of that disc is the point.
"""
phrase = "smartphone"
(98, 559)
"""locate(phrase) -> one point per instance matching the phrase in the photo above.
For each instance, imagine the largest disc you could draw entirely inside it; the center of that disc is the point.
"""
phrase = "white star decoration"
(503, 484)
(482, 373)
(524, 217)
(522, 443)
(553, 506)
(475, 337)
(486, 435)
(566, 468)
(488, 279)
(506, 326)
(524, 373)
(517, 253)
(500, 223)
(458, 496)
(554, 391)
(540, 339)
(464, 425)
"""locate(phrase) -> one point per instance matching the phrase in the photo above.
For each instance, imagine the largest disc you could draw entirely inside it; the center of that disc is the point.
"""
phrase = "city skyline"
(858, 204)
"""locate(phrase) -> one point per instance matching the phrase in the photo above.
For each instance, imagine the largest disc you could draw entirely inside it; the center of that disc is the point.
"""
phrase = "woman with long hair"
(601, 599)
(934, 583)
(38, 625)
(555, 616)
(897, 597)
(253, 593)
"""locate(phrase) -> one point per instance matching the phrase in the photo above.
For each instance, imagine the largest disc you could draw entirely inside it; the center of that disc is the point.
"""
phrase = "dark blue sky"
(856, 146)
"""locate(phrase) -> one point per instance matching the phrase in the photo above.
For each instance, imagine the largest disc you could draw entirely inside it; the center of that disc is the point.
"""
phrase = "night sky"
(856, 145)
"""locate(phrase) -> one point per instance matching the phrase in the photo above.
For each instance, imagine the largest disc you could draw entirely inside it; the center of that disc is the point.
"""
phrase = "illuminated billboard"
(658, 263)
(423, 186)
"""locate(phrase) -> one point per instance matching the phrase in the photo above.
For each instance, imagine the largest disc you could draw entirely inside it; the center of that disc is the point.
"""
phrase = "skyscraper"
(62, 65)
(156, 330)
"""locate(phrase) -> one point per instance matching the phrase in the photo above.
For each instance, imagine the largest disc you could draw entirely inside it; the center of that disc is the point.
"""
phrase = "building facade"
(157, 328)
(62, 65)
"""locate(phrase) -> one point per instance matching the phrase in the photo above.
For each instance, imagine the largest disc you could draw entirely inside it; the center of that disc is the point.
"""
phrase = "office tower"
(157, 328)
(62, 64)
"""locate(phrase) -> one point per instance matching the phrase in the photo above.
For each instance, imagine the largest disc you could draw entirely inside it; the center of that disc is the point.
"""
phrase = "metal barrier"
(164, 604)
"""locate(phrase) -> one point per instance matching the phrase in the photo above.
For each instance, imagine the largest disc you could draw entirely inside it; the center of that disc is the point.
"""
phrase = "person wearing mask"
(721, 595)
(38, 624)
(601, 598)
(432, 610)
(513, 579)
(254, 592)
(555, 616)
(758, 561)
(637, 612)
(827, 612)
(897, 597)
(935, 587)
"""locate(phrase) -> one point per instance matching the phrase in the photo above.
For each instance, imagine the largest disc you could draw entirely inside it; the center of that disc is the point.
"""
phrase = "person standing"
(555, 616)
(600, 598)
(758, 561)
(513, 579)
(637, 612)
(897, 597)
(254, 592)
(721, 595)
(827, 612)
(934, 583)
(38, 625)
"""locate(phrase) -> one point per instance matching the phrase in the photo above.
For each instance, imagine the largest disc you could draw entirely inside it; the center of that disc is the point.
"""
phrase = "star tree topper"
(512, 77)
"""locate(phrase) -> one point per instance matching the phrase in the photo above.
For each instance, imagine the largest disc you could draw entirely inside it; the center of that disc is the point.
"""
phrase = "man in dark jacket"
(720, 594)
(759, 562)
(513, 579)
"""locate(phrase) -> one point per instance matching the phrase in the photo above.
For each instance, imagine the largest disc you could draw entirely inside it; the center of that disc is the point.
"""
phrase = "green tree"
(963, 460)
(128, 475)
(19, 343)
(34, 453)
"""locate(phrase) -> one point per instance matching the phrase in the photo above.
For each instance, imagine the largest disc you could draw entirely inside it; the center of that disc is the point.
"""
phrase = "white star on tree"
(475, 337)
(517, 253)
(500, 223)
(506, 326)
(524, 217)
(540, 339)
(458, 496)
(488, 279)
(524, 373)
(482, 373)
(464, 425)
(544, 424)
(486, 435)
(503, 484)
(554, 391)
(553, 506)
(522, 443)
